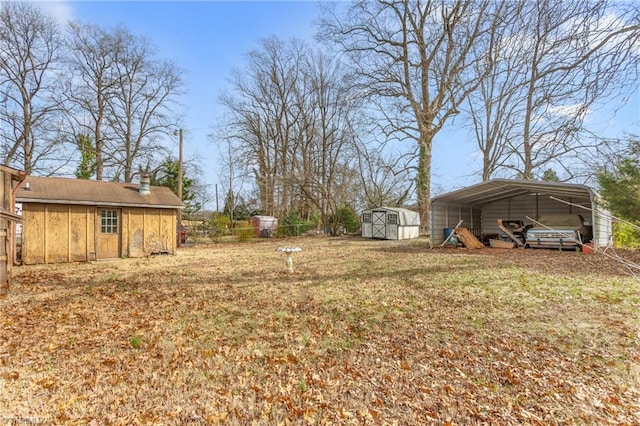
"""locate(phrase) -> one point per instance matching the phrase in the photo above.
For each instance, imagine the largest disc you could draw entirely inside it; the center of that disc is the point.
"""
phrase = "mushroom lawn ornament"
(289, 251)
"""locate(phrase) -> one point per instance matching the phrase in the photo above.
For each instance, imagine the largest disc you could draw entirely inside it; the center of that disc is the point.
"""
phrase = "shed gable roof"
(406, 217)
(55, 190)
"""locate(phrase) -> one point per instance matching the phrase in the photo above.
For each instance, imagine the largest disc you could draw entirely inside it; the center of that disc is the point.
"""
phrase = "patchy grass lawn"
(365, 332)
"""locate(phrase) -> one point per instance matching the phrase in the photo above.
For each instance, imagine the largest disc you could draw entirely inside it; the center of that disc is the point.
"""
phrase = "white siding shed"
(390, 223)
(480, 206)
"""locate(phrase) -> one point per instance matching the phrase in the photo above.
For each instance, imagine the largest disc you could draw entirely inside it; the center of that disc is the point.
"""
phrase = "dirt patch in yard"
(364, 332)
(540, 260)
(563, 262)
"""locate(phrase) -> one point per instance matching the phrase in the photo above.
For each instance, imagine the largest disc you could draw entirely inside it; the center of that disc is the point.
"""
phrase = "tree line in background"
(89, 101)
(313, 131)
(308, 127)
(84, 98)
(294, 130)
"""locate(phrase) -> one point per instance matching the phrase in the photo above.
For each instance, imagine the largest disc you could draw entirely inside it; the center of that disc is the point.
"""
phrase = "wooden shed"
(9, 180)
(390, 223)
(480, 206)
(76, 220)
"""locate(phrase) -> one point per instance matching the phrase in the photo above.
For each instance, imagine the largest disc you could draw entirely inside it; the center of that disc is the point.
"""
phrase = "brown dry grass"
(365, 332)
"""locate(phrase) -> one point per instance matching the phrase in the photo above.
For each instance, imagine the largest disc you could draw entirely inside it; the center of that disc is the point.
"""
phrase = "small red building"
(264, 226)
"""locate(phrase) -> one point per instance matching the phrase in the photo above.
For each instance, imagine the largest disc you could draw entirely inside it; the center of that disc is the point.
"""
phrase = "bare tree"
(91, 89)
(120, 99)
(385, 179)
(324, 170)
(265, 110)
(555, 61)
(291, 121)
(234, 172)
(492, 106)
(29, 108)
(415, 58)
(577, 59)
(139, 112)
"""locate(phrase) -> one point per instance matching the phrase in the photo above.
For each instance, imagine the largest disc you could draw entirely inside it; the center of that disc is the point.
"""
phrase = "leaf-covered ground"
(364, 332)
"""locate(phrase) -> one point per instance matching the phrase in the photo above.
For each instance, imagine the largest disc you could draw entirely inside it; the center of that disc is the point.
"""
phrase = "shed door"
(392, 226)
(108, 234)
(378, 224)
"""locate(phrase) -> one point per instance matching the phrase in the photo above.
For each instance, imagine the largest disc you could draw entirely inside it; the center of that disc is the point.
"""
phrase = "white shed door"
(392, 226)
(378, 224)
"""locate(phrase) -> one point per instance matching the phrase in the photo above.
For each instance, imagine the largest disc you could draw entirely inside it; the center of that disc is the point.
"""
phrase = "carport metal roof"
(499, 189)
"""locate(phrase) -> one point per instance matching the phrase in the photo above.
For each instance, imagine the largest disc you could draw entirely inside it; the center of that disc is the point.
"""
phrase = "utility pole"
(179, 188)
(217, 207)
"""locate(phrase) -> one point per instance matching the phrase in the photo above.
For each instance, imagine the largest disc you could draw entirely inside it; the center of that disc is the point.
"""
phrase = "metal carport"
(480, 206)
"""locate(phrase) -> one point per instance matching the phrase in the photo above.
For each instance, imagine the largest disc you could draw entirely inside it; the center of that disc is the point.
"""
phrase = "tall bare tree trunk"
(413, 59)
(29, 45)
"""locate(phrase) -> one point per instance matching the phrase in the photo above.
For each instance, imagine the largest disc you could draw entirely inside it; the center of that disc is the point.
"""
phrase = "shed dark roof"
(499, 189)
(55, 190)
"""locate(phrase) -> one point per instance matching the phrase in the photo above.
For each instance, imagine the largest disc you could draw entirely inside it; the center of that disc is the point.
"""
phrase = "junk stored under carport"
(481, 205)
(501, 243)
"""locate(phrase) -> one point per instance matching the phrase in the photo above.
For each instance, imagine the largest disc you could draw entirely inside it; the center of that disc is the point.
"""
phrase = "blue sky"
(210, 38)
(205, 38)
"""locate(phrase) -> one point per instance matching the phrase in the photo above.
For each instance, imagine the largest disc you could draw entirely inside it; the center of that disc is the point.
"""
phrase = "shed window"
(392, 219)
(109, 222)
(366, 217)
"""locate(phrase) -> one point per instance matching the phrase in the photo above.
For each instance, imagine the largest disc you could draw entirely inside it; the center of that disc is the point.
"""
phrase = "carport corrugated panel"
(549, 206)
(469, 199)
(448, 217)
(518, 208)
(440, 219)
(602, 227)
